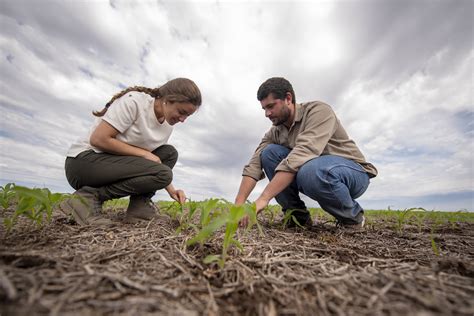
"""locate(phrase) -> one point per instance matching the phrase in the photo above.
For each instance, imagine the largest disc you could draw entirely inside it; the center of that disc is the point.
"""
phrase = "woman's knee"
(168, 154)
(163, 175)
(73, 174)
(170, 150)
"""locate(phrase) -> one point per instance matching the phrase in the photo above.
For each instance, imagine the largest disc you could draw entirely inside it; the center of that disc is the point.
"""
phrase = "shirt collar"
(299, 110)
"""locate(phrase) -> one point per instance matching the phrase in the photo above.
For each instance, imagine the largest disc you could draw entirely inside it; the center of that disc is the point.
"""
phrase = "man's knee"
(273, 152)
(312, 177)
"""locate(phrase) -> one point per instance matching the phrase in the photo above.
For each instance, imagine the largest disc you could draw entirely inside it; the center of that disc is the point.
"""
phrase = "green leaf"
(296, 221)
(208, 230)
(37, 194)
(206, 209)
(434, 246)
(33, 204)
(6, 195)
(193, 206)
(211, 258)
(195, 227)
(237, 244)
(8, 222)
(25, 205)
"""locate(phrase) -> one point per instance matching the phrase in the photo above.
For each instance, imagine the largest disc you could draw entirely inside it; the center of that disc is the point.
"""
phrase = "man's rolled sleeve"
(254, 172)
(319, 125)
(254, 168)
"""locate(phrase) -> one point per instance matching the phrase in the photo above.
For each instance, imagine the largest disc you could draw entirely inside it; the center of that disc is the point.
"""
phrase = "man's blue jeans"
(334, 182)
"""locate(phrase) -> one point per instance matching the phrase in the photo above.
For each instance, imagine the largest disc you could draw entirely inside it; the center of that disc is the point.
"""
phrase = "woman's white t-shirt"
(133, 115)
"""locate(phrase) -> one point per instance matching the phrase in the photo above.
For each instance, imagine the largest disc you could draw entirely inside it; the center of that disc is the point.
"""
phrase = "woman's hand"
(178, 195)
(104, 138)
(150, 156)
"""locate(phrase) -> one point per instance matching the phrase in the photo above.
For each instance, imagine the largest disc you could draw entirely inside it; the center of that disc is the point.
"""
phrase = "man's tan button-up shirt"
(316, 131)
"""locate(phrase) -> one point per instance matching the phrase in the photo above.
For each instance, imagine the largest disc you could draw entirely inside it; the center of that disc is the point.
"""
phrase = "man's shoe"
(140, 208)
(296, 218)
(85, 206)
(357, 226)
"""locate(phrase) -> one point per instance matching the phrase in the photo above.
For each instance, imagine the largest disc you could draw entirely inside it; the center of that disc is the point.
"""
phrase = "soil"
(147, 269)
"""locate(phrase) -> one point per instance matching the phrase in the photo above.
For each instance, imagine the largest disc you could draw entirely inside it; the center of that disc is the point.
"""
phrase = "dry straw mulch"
(146, 269)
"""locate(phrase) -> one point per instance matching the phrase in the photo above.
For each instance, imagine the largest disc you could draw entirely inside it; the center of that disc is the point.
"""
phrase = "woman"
(126, 152)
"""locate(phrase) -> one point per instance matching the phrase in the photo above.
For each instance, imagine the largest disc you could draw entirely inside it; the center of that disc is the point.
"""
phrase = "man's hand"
(244, 222)
(281, 180)
(260, 204)
(178, 195)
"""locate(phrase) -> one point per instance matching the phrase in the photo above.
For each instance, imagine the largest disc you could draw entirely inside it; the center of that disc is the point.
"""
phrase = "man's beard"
(286, 115)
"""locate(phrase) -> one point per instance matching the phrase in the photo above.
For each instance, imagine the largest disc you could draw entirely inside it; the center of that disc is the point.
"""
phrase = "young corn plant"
(7, 194)
(117, 204)
(173, 210)
(34, 204)
(453, 219)
(271, 212)
(186, 219)
(230, 219)
(209, 210)
(420, 220)
(289, 215)
(434, 247)
(404, 216)
(184, 213)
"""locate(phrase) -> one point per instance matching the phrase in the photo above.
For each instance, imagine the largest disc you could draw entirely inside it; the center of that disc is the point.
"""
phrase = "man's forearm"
(246, 187)
(279, 182)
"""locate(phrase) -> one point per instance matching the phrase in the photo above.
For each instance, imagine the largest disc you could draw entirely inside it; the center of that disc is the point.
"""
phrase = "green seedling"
(230, 219)
(404, 217)
(289, 215)
(34, 204)
(433, 243)
(270, 213)
(206, 211)
(117, 204)
(7, 194)
(420, 220)
(172, 209)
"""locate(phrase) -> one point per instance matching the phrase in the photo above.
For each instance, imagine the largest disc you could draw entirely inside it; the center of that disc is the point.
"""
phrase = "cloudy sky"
(399, 75)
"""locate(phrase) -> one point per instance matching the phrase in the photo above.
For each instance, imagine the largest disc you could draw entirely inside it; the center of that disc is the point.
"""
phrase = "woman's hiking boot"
(85, 206)
(140, 208)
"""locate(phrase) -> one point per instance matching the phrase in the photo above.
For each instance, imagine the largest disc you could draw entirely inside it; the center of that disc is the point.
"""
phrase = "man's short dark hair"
(278, 86)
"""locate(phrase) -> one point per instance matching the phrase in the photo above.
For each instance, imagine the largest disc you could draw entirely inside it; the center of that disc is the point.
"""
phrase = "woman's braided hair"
(175, 90)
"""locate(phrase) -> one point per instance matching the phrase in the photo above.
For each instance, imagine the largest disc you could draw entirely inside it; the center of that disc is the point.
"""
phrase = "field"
(402, 263)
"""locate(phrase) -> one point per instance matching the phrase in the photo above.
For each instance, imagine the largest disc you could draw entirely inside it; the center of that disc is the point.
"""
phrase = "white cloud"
(411, 129)
(400, 81)
(32, 164)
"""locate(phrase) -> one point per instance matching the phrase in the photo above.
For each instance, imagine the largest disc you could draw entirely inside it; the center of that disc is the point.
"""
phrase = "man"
(306, 150)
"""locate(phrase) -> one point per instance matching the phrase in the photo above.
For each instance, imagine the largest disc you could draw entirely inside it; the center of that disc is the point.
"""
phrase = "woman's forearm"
(104, 139)
(114, 146)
